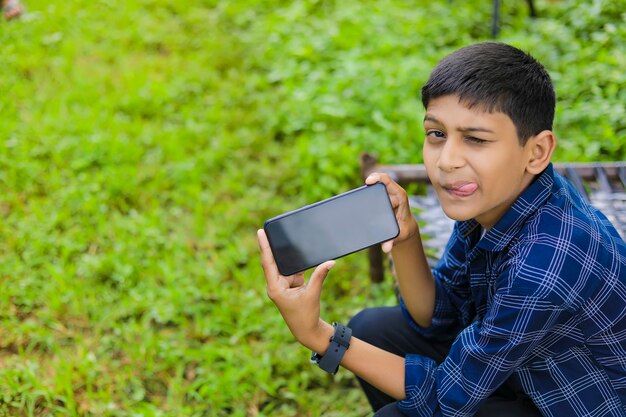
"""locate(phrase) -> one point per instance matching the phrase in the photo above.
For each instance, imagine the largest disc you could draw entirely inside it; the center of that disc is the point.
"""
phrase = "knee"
(366, 324)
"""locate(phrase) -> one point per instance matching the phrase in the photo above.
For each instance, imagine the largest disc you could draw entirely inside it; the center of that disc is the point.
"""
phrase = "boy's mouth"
(461, 189)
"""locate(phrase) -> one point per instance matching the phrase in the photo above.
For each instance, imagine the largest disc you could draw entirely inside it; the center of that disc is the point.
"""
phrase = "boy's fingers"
(319, 275)
(267, 259)
(387, 246)
(373, 178)
(393, 189)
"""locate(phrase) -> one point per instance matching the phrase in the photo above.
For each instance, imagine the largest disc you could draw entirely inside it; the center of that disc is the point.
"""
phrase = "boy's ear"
(540, 148)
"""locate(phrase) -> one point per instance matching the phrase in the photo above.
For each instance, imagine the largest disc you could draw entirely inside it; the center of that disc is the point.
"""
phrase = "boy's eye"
(436, 134)
(475, 140)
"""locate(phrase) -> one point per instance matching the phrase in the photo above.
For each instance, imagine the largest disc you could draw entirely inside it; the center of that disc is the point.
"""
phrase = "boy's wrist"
(339, 344)
(411, 238)
(319, 341)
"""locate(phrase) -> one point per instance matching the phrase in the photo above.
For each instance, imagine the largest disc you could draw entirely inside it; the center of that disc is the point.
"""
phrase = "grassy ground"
(143, 142)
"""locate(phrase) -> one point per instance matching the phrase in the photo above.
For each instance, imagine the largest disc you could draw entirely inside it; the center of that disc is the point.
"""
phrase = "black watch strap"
(339, 343)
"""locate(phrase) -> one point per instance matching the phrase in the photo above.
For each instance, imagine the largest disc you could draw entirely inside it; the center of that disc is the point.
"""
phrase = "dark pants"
(387, 328)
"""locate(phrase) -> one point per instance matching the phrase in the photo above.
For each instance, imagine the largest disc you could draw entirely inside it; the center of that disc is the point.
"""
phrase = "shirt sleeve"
(482, 357)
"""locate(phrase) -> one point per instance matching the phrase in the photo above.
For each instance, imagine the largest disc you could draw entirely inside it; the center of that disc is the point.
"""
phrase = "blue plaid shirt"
(541, 297)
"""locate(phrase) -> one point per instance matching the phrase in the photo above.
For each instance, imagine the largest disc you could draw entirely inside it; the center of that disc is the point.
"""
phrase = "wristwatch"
(339, 343)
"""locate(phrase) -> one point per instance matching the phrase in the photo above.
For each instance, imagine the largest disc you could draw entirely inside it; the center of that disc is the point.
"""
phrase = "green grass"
(143, 142)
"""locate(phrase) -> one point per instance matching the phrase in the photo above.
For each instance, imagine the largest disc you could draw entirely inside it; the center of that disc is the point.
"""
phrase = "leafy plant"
(143, 142)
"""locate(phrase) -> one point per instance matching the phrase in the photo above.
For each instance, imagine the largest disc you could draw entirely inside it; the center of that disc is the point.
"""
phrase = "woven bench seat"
(602, 183)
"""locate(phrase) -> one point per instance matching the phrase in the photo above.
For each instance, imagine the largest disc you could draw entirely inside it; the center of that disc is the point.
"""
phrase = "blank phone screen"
(331, 228)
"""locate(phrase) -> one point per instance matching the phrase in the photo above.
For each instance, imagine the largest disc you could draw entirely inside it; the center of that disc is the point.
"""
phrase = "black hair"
(497, 78)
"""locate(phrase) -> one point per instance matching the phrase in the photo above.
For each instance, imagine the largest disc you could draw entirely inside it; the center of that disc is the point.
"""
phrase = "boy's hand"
(400, 204)
(297, 301)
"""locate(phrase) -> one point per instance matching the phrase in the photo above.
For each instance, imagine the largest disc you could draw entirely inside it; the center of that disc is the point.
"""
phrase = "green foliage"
(143, 142)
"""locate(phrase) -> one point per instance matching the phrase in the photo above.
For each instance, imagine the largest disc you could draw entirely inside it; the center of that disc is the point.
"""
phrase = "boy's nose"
(451, 156)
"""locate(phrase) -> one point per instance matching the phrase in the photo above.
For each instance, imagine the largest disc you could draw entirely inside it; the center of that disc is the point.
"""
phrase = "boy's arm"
(380, 368)
(299, 304)
(415, 278)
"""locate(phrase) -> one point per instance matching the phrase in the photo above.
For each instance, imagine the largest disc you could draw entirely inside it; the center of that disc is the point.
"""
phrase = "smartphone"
(332, 228)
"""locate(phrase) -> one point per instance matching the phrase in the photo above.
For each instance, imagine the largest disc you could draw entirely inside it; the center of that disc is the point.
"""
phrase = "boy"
(525, 313)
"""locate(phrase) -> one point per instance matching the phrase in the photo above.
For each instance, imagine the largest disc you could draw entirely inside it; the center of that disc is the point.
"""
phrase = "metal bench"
(602, 183)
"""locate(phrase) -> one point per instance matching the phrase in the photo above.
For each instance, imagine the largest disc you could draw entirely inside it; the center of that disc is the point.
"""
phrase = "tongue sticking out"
(467, 188)
(463, 190)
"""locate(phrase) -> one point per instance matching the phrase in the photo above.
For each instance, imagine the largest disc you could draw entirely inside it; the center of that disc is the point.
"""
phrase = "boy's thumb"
(320, 274)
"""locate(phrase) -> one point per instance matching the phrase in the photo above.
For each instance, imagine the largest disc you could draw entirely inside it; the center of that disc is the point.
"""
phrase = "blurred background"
(143, 142)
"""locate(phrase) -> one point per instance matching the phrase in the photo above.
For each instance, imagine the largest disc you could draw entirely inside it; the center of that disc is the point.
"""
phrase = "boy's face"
(474, 160)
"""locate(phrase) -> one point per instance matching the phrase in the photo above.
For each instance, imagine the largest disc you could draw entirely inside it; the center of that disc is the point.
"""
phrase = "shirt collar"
(531, 199)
